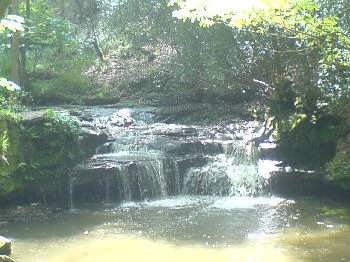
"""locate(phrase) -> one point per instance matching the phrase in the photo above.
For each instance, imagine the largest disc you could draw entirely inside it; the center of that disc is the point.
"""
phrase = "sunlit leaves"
(12, 22)
(208, 11)
(9, 85)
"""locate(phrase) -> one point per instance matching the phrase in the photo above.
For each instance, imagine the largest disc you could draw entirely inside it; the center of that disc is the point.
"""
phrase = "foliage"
(57, 136)
(208, 12)
(4, 144)
(300, 58)
(69, 86)
(202, 58)
(9, 150)
(339, 167)
(12, 22)
(59, 123)
(38, 153)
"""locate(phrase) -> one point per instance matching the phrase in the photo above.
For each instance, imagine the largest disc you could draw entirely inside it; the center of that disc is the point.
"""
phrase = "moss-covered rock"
(309, 143)
(10, 155)
(339, 167)
(37, 154)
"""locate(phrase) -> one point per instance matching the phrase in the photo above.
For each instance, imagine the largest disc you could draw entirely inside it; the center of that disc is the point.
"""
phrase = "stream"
(166, 192)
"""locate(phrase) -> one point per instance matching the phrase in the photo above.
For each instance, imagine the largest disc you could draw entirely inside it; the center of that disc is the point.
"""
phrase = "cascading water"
(146, 160)
(233, 173)
(71, 192)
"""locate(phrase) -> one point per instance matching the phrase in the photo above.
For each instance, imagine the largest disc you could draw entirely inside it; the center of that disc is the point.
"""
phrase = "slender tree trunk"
(15, 58)
(23, 71)
(28, 8)
(98, 49)
(62, 4)
(4, 4)
(15, 50)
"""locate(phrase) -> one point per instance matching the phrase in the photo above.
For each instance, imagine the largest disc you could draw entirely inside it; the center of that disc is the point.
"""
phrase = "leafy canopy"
(209, 11)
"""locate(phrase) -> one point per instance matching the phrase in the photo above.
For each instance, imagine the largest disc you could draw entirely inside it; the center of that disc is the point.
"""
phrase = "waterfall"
(71, 192)
(154, 160)
(108, 189)
(142, 178)
(234, 173)
(177, 178)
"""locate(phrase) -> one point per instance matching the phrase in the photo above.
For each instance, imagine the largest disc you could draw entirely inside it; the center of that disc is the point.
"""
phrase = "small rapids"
(144, 159)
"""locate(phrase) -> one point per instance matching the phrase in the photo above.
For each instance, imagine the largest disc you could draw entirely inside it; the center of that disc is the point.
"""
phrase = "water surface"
(191, 228)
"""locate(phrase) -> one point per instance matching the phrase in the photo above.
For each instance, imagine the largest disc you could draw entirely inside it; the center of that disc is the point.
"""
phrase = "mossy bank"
(37, 149)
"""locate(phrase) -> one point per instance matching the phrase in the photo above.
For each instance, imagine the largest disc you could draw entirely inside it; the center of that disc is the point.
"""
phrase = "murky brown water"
(191, 229)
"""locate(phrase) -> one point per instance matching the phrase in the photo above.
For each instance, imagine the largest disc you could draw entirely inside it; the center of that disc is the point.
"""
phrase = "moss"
(10, 151)
(310, 143)
(38, 155)
(51, 143)
(339, 167)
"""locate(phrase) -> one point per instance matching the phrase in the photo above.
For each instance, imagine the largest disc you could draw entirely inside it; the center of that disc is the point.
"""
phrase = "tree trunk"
(4, 4)
(28, 9)
(15, 50)
(62, 7)
(98, 49)
(23, 71)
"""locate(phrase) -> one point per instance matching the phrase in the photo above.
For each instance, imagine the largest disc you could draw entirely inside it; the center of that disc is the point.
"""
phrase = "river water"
(201, 195)
(191, 228)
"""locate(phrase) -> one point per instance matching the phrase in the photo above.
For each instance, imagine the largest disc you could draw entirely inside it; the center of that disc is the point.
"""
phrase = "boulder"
(5, 246)
(89, 140)
(33, 116)
(6, 259)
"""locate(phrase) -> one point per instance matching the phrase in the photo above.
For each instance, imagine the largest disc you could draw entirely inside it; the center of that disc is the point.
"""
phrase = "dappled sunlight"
(219, 8)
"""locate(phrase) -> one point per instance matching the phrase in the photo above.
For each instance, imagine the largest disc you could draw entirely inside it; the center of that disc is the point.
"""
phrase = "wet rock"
(204, 182)
(303, 183)
(75, 113)
(113, 121)
(87, 118)
(120, 120)
(33, 116)
(6, 259)
(89, 140)
(5, 246)
(195, 147)
(174, 130)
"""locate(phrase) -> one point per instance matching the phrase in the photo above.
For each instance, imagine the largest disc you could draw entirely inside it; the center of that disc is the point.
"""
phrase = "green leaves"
(208, 12)
(13, 23)
(9, 85)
